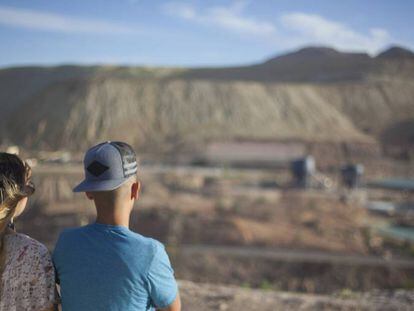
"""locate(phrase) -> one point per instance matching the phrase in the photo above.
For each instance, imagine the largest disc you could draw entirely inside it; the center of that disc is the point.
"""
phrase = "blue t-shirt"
(104, 267)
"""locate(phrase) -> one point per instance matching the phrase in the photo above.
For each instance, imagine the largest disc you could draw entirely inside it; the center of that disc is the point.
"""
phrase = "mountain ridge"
(313, 64)
(396, 52)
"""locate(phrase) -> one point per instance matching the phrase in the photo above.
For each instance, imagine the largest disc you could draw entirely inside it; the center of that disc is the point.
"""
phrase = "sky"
(194, 33)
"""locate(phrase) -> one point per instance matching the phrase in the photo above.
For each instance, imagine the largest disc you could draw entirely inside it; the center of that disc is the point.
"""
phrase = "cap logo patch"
(96, 168)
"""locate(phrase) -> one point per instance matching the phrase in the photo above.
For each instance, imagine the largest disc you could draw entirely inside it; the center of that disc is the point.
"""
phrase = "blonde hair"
(14, 186)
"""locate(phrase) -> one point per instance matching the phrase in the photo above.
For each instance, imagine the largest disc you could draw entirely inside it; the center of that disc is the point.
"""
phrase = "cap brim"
(101, 185)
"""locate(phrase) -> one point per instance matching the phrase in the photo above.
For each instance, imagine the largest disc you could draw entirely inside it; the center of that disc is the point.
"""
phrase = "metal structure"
(302, 170)
(352, 175)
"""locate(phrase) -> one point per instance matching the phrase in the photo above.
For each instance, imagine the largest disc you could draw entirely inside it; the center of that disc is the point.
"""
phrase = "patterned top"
(28, 279)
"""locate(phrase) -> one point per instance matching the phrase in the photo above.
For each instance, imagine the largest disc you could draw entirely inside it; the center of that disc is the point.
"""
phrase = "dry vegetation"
(290, 220)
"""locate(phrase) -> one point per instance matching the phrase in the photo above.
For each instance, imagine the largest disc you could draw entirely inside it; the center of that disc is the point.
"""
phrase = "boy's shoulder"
(146, 240)
(148, 247)
(151, 245)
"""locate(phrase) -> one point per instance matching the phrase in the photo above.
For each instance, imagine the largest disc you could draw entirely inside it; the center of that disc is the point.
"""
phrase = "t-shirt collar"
(101, 226)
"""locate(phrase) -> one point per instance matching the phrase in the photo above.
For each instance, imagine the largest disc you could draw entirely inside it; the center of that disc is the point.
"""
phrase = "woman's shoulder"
(28, 278)
(26, 245)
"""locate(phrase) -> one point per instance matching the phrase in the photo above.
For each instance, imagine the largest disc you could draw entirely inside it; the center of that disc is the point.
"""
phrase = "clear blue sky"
(193, 33)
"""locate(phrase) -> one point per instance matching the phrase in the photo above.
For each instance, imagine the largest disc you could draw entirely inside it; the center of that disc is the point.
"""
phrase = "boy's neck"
(114, 219)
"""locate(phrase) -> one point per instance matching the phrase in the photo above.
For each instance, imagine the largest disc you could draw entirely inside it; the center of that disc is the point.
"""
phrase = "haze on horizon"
(193, 33)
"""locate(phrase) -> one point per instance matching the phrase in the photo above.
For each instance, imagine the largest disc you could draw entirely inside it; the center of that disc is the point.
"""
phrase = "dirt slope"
(150, 114)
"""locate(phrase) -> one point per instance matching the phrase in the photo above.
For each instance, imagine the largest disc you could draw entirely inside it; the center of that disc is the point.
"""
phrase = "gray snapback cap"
(107, 166)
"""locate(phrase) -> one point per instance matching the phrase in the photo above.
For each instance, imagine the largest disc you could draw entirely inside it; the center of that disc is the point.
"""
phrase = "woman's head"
(15, 187)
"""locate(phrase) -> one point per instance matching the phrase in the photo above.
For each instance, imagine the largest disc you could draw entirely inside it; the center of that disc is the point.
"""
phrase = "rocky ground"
(203, 297)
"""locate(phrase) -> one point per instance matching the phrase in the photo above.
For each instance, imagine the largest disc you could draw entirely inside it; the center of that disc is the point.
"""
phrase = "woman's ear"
(21, 205)
(135, 189)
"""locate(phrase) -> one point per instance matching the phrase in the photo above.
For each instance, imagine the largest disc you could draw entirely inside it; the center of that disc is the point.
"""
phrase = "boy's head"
(110, 175)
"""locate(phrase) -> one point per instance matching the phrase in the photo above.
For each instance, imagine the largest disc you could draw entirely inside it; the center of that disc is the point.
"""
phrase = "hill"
(314, 94)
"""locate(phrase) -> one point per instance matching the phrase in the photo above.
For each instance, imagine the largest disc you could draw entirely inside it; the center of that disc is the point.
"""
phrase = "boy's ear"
(89, 195)
(135, 189)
